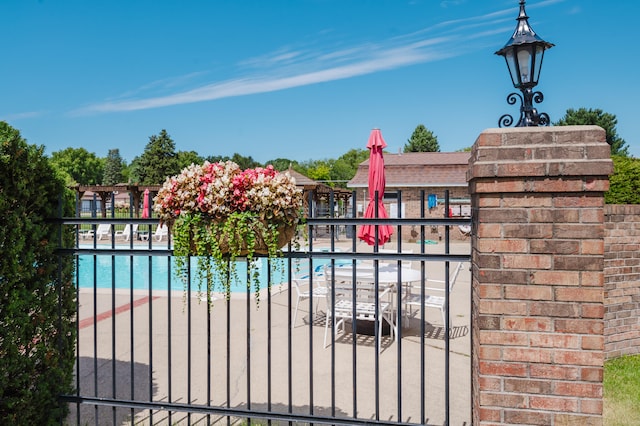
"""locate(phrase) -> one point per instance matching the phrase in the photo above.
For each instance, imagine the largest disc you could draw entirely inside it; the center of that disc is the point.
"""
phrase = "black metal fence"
(383, 340)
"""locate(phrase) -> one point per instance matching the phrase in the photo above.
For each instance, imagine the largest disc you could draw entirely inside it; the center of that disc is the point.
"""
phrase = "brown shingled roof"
(301, 180)
(419, 169)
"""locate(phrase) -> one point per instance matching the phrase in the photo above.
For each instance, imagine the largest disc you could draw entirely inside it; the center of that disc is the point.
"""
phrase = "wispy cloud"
(448, 3)
(289, 67)
(22, 115)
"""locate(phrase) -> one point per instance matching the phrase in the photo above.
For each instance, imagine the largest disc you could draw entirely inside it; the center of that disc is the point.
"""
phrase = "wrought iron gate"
(151, 353)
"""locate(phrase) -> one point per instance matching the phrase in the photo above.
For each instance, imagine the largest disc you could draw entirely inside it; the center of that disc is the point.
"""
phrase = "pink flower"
(219, 189)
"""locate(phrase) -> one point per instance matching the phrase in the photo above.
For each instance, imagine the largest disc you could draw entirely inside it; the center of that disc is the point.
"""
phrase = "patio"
(301, 378)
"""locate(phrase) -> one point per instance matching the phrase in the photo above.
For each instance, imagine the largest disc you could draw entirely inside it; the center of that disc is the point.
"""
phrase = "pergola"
(104, 192)
(319, 191)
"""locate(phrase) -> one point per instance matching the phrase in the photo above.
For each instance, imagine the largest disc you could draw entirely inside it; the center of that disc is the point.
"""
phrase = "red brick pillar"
(538, 256)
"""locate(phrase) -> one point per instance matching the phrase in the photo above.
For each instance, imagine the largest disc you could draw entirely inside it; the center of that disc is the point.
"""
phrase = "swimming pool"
(136, 272)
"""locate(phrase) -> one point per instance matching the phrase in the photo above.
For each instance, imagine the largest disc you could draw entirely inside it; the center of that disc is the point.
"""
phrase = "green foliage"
(218, 244)
(187, 158)
(84, 167)
(319, 170)
(131, 173)
(624, 184)
(242, 161)
(622, 391)
(346, 166)
(158, 161)
(37, 343)
(584, 116)
(422, 140)
(113, 168)
(282, 164)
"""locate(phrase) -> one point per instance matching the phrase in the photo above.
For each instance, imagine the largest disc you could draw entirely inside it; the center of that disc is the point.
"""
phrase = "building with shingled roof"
(412, 174)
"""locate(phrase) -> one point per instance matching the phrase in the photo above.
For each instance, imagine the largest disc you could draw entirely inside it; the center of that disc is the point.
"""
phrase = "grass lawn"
(622, 391)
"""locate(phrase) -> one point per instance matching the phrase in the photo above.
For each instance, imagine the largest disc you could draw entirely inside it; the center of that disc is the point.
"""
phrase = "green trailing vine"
(218, 245)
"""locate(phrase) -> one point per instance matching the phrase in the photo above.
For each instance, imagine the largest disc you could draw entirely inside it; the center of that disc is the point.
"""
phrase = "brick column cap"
(541, 152)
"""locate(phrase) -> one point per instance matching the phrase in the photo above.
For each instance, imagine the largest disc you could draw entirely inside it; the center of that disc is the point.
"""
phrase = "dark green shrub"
(37, 334)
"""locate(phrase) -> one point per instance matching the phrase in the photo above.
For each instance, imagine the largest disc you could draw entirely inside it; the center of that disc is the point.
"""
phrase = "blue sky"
(299, 79)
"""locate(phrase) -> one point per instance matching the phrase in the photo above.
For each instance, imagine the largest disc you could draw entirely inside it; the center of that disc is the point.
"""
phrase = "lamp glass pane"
(538, 62)
(513, 67)
(524, 64)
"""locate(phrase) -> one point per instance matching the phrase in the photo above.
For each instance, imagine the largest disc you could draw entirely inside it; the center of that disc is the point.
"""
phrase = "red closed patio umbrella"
(145, 204)
(377, 182)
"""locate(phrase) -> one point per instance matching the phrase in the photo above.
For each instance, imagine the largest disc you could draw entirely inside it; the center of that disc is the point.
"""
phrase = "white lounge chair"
(103, 230)
(126, 232)
(413, 298)
(161, 232)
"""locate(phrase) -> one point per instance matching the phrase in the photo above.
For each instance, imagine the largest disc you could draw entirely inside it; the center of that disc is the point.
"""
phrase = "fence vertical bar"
(95, 324)
(228, 348)
(248, 348)
(113, 335)
(289, 341)
(376, 283)
(423, 414)
(268, 335)
(354, 375)
(188, 335)
(113, 309)
(208, 347)
(169, 335)
(131, 332)
(311, 233)
(399, 286)
(150, 334)
(447, 250)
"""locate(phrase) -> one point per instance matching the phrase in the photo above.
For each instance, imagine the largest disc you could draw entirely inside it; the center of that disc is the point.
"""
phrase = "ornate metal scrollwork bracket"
(529, 115)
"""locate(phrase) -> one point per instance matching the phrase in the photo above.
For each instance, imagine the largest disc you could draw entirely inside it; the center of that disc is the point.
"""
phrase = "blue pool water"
(138, 271)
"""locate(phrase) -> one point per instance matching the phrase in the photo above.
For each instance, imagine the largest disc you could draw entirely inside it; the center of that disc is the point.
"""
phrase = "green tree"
(624, 184)
(319, 170)
(37, 312)
(422, 140)
(158, 161)
(584, 116)
(132, 172)
(113, 167)
(84, 167)
(345, 167)
(186, 158)
(240, 160)
(282, 164)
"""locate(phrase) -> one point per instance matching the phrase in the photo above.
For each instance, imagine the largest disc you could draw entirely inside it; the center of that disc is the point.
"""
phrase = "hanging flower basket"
(218, 212)
(234, 241)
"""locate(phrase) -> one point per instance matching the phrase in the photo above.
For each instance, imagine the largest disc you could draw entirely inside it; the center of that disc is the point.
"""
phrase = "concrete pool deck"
(164, 323)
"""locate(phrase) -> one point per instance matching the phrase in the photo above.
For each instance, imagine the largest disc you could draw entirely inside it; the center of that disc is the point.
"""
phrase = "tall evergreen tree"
(584, 116)
(422, 140)
(158, 161)
(113, 168)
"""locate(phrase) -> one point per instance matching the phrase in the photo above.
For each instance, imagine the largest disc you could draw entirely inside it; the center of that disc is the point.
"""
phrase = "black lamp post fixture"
(523, 53)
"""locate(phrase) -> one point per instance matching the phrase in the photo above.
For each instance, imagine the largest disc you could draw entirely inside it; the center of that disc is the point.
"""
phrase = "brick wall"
(537, 284)
(622, 280)
(412, 204)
